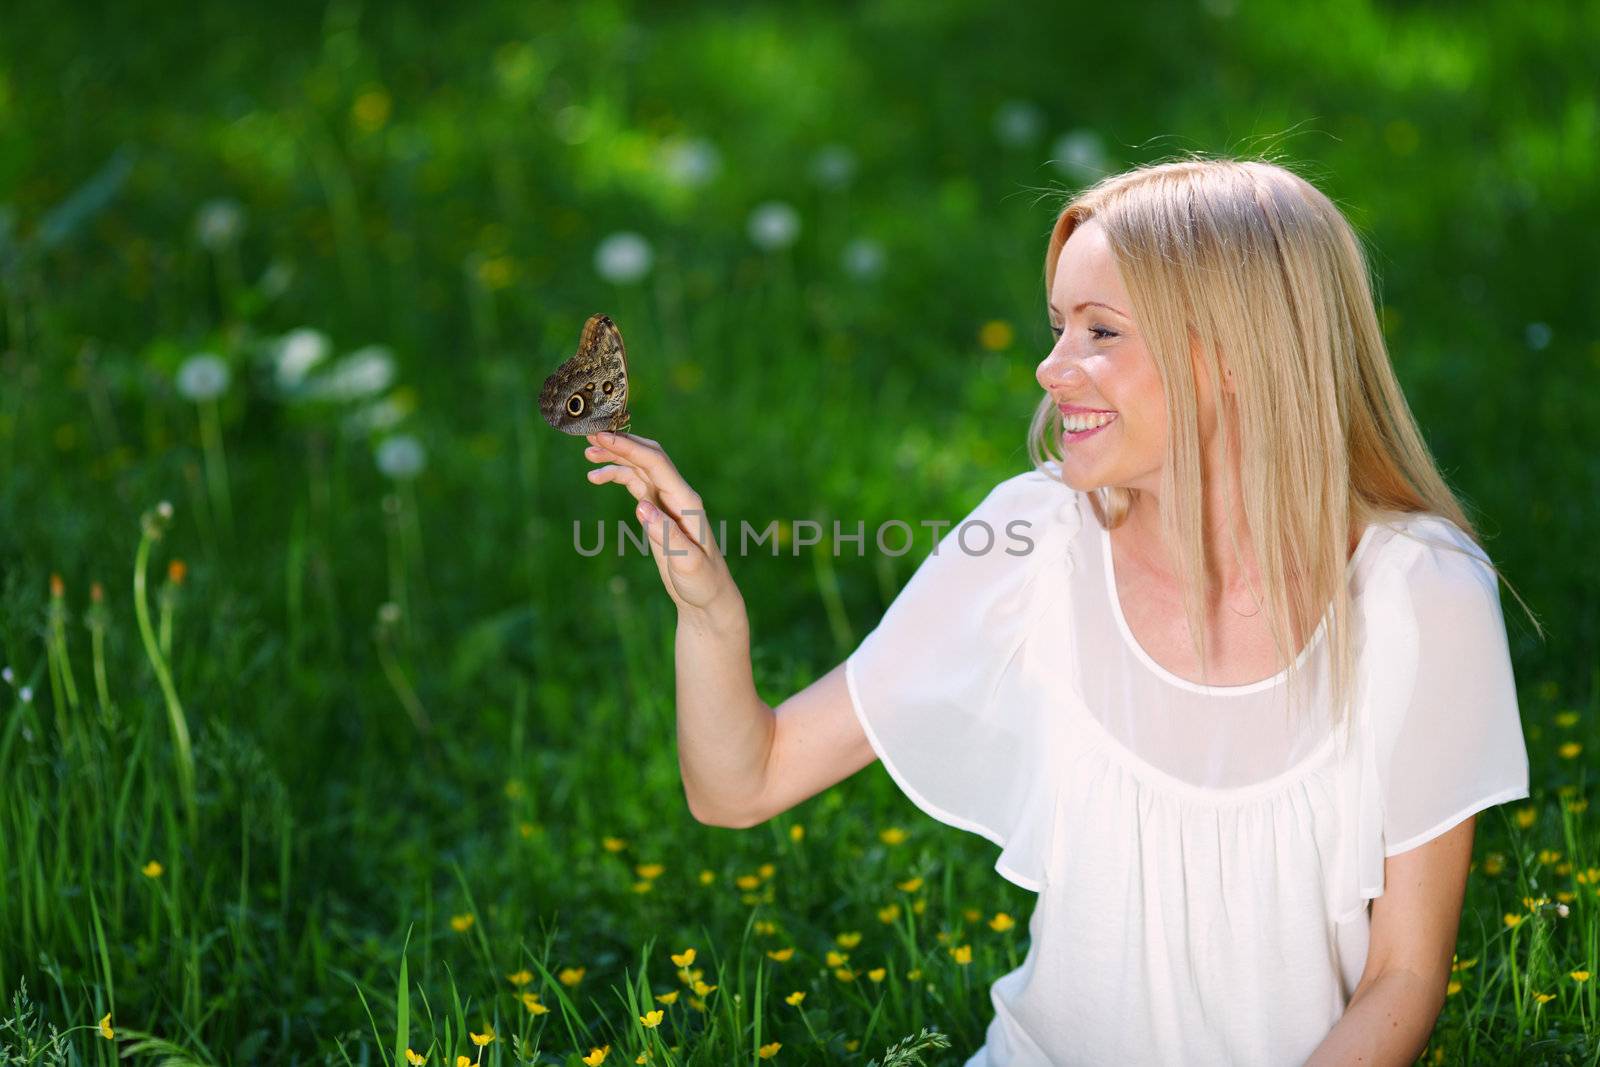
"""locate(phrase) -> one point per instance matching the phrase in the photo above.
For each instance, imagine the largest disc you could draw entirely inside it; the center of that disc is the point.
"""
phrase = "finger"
(626, 476)
(675, 492)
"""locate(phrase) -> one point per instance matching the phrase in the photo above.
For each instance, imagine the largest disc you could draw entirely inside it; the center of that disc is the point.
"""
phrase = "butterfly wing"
(589, 392)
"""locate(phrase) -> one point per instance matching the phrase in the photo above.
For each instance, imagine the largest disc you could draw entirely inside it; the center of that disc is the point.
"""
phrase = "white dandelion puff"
(1082, 155)
(691, 161)
(363, 373)
(203, 377)
(833, 166)
(297, 352)
(218, 223)
(623, 257)
(26, 694)
(863, 258)
(401, 457)
(1018, 123)
(9, 676)
(383, 414)
(773, 225)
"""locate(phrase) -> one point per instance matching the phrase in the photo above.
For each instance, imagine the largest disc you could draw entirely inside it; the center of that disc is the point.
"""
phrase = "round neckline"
(1215, 690)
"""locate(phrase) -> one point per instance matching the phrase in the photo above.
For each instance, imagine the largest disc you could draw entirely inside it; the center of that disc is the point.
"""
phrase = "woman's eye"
(1100, 332)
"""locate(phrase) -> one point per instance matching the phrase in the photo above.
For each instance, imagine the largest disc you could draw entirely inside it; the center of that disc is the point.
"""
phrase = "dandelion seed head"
(363, 373)
(623, 257)
(1081, 154)
(203, 376)
(833, 166)
(164, 510)
(1018, 123)
(863, 258)
(773, 225)
(690, 161)
(26, 694)
(297, 352)
(218, 223)
(401, 457)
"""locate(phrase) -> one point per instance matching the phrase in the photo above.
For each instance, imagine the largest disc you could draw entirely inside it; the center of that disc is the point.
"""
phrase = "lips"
(1074, 409)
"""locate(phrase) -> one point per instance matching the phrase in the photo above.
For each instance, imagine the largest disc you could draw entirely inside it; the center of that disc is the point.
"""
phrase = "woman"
(1232, 712)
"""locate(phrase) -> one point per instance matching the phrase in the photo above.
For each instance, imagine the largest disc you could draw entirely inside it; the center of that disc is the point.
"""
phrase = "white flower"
(218, 223)
(863, 257)
(1081, 155)
(275, 279)
(773, 225)
(833, 166)
(623, 257)
(363, 373)
(1018, 122)
(401, 457)
(26, 693)
(203, 377)
(381, 414)
(691, 161)
(1537, 334)
(10, 678)
(297, 352)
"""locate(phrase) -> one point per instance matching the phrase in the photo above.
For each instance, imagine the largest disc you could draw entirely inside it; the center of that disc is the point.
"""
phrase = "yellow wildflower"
(962, 954)
(522, 977)
(463, 922)
(531, 1002)
(652, 1019)
(707, 877)
(415, 1059)
(701, 989)
(996, 335)
(878, 974)
(767, 870)
(914, 974)
(613, 844)
(972, 915)
(1512, 919)
(463, 1061)
(849, 939)
(893, 836)
(844, 974)
(1526, 816)
(1579, 976)
(889, 913)
(794, 999)
(836, 958)
(910, 885)
(1453, 988)
(153, 869)
(649, 870)
(852, 1044)
(1570, 750)
(1566, 719)
(769, 1051)
(684, 958)
(797, 832)
(1544, 998)
(105, 1027)
(748, 881)
(782, 955)
(1001, 922)
(571, 976)
(667, 998)
(1493, 863)
(596, 1055)
(484, 1038)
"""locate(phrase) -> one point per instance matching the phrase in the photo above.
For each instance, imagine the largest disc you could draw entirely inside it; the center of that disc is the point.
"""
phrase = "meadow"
(320, 743)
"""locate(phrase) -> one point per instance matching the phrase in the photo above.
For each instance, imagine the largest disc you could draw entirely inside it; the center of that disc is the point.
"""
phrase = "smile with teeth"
(1079, 421)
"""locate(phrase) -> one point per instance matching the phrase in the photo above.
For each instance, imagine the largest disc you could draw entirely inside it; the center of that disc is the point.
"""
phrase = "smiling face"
(1099, 362)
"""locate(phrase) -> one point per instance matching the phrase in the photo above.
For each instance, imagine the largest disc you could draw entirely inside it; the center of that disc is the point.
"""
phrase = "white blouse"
(1203, 863)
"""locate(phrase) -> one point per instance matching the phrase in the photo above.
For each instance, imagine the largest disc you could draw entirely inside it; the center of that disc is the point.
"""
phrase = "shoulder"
(1439, 568)
(1035, 495)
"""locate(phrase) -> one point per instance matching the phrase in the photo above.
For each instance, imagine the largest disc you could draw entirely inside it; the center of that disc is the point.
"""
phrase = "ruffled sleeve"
(941, 685)
(1437, 721)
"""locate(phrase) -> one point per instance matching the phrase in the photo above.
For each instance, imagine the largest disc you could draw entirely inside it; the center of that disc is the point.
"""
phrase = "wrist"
(724, 614)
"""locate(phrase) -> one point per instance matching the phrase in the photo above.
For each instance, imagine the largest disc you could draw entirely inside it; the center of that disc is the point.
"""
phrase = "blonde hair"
(1245, 260)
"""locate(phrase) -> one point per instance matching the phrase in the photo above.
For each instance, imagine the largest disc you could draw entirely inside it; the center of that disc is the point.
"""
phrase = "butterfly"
(589, 392)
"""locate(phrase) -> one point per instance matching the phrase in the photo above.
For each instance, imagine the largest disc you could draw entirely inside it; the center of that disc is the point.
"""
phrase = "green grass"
(363, 707)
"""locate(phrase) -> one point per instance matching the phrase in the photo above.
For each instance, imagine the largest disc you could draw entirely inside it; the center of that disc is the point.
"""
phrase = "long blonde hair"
(1245, 259)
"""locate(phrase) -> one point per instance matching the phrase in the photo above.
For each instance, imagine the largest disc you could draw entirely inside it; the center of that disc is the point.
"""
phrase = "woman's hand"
(680, 534)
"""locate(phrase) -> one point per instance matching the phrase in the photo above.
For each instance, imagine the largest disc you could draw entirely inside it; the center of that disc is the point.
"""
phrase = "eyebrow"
(1092, 303)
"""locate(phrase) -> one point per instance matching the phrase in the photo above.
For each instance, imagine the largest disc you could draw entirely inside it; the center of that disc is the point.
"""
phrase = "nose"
(1061, 370)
